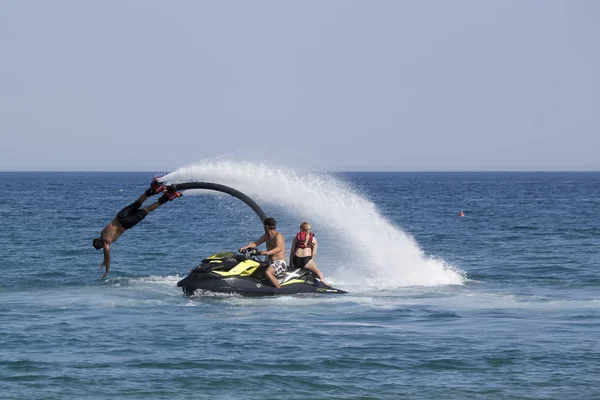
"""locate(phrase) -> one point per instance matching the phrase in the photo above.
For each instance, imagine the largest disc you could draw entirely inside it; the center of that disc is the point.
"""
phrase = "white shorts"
(280, 267)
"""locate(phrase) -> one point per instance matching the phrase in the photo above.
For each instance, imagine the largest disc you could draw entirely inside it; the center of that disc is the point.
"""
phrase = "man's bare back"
(112, 232)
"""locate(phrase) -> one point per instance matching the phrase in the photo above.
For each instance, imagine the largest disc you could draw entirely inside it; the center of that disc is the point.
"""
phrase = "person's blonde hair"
(305, 226)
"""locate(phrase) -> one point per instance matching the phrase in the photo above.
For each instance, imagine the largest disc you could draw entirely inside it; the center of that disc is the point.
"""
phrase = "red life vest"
(301, 240)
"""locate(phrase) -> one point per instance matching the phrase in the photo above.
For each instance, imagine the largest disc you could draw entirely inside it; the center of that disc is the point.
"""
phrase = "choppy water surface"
(499, 304)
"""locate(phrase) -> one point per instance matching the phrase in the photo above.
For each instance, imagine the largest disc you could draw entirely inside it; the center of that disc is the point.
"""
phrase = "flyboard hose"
(225, 189)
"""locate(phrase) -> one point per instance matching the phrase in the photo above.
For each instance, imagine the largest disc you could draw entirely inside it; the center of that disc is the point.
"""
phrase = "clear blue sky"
(334, 85)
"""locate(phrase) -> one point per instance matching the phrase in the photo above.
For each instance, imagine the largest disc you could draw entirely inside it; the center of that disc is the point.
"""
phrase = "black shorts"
(300, 262)
(131, 215)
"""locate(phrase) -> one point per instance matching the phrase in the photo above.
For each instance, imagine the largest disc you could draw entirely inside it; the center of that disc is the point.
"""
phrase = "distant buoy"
(461, 214)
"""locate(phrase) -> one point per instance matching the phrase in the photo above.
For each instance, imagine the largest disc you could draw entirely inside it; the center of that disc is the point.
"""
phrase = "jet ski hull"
(227, 272)
(247, 286)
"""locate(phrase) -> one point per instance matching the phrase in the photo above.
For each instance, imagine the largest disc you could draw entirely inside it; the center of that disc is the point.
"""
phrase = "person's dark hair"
(270, 223)
(97, 243)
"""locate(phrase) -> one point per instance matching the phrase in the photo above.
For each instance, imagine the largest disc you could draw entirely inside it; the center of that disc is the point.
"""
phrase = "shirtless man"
(128, 217)
(275, 251)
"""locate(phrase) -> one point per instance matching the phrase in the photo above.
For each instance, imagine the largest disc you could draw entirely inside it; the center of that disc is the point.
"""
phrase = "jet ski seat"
(293, 273)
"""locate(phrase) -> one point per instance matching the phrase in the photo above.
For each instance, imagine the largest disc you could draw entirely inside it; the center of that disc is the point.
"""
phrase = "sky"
(333, 85)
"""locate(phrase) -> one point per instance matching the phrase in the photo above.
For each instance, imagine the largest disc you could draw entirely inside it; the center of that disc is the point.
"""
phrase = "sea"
(501, 302)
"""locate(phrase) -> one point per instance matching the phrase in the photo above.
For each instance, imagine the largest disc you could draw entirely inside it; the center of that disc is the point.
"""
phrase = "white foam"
(373, 250)
(169, 280)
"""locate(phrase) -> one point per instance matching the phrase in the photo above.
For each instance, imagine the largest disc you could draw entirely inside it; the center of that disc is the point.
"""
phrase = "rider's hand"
(107, 268)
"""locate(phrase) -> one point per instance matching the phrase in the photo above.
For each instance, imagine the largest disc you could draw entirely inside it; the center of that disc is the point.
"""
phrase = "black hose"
(225, 189)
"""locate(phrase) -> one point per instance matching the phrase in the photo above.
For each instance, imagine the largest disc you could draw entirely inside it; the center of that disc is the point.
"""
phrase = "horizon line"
(333, 171)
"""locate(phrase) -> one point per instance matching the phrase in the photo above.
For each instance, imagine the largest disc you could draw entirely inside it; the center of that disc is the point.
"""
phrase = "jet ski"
(244, 274)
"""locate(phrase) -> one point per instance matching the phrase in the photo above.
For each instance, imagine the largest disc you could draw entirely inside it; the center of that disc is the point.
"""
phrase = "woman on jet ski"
(304, 250)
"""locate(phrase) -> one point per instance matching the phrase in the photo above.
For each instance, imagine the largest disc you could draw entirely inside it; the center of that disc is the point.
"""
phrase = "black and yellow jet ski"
(244, 274)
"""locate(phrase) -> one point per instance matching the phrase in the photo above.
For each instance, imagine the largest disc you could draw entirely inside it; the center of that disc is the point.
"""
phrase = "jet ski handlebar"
(252, 254)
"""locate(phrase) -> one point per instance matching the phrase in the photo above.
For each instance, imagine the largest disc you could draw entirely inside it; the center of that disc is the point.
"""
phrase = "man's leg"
(167, 196)
(142, 198)
(270, 272)
(152, 207)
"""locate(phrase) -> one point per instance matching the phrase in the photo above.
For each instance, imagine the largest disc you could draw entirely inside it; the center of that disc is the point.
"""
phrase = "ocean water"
(502, 303)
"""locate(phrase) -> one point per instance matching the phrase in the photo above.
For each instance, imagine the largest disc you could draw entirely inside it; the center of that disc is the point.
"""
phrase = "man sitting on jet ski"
(275, 251)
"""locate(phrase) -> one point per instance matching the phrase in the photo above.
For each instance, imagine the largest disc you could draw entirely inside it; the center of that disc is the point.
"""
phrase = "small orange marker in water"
(461, 214)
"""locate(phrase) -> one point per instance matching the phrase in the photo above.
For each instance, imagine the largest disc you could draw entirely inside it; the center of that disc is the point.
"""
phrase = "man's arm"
(314, 249)
(279, 246)
(106, 262)
(255, 244)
